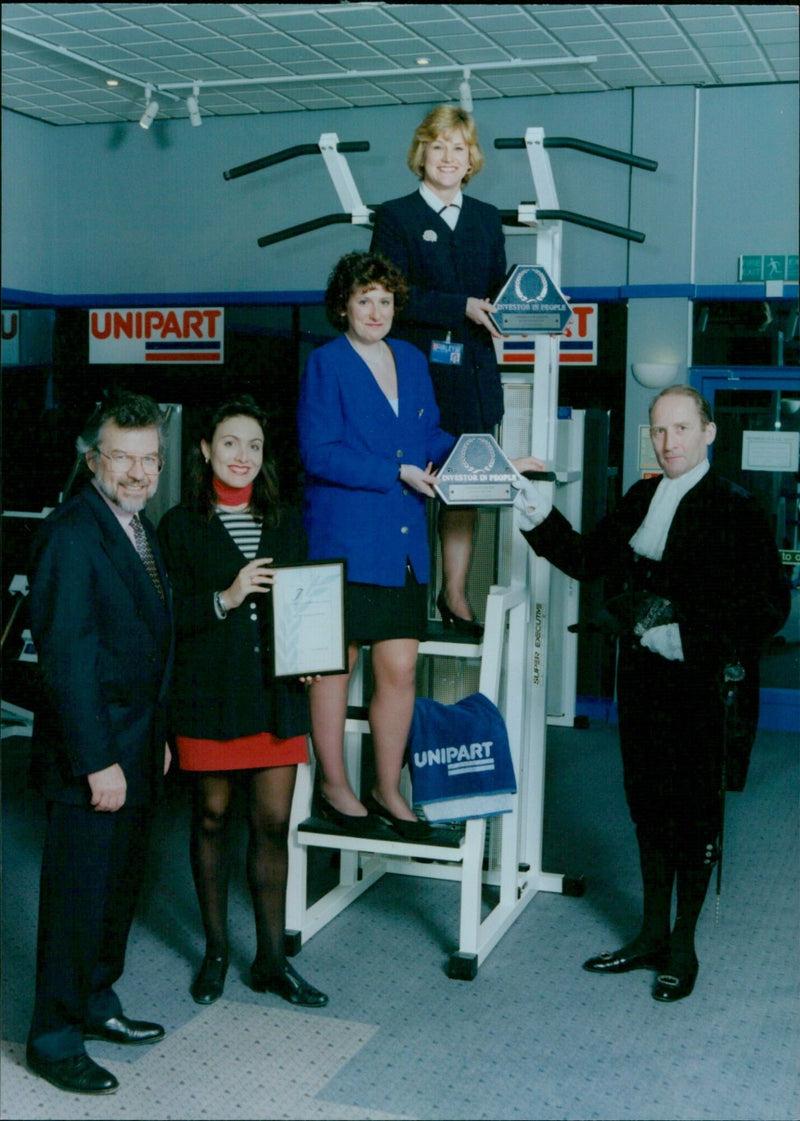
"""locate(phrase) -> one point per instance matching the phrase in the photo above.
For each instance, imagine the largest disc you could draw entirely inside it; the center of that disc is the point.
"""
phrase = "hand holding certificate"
(308, 616)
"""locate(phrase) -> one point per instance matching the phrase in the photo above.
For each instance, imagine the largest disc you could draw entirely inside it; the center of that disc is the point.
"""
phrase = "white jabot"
(450, 212)
(651, 536)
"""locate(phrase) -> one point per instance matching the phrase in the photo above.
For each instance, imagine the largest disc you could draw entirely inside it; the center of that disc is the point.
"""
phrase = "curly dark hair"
(265, 498)
(358, 271)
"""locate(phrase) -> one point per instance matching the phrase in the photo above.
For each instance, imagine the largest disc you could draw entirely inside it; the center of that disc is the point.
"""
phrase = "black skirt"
(374, 613)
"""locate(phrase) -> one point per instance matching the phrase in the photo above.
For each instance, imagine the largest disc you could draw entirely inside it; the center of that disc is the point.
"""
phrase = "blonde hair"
(441, 121)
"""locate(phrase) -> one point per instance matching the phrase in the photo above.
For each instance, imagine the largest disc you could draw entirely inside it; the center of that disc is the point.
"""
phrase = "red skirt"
(248, 753)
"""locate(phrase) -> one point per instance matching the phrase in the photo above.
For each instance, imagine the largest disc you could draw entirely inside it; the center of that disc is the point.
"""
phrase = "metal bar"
(398, 72)
(290, 154)
(592, 149)
(304, 228)
(510, 219)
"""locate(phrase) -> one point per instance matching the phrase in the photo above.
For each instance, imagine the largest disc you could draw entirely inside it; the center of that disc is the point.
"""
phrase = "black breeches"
(670, 723)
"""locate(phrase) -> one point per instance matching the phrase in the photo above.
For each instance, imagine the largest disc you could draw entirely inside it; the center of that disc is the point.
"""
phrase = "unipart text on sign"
(167, 334)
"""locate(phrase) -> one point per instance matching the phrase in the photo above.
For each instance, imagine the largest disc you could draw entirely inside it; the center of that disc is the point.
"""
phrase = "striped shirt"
(243, 528)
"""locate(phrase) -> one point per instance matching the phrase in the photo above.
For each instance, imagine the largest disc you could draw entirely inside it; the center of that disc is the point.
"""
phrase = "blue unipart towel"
(460, 760)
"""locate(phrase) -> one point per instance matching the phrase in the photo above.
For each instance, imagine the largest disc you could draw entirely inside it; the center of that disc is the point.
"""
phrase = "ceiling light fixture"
(423, 61)
(150, 109)
(193, 106)
(465, 93)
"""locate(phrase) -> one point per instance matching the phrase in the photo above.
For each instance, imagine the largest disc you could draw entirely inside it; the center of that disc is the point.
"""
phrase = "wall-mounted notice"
(770, 451)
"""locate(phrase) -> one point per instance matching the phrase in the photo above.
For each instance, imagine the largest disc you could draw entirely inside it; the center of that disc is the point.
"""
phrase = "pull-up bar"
(583, 146)
(510, 218)
(307, 227)
(290, 154)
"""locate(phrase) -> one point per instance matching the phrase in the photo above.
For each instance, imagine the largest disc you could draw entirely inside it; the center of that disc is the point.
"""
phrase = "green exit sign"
(768, 266)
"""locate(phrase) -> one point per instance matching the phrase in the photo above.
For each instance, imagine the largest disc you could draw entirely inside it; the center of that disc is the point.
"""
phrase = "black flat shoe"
(210, 981)
(627, 958)
(353, 824)
(119, 1029)
(677, 980)
(470, 627)
(78, 1074)
(287, 983)
(408, 830)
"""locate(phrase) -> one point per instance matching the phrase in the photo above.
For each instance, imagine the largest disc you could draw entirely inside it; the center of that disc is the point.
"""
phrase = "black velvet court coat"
(721, 572)
(223, 686)
(444, 267)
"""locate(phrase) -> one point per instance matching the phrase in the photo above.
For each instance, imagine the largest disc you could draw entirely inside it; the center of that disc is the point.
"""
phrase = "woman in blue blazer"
(451, 249)
(369, 437)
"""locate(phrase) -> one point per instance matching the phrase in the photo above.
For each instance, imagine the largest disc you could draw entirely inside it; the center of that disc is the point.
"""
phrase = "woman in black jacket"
(230, 718)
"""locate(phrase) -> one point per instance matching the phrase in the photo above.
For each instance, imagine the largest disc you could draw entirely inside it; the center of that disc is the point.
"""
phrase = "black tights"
(665, 862)
(269, 803)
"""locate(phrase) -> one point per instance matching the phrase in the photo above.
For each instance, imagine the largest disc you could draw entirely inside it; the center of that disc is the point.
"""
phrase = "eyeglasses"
(121, 462)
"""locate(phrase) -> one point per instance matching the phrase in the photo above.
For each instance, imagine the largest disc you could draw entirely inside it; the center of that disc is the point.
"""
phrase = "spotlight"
(194, 108)
(466, 93)
(150, 109)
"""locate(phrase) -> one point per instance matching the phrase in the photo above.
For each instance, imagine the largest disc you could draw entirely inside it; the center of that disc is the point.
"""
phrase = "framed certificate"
(308, 618)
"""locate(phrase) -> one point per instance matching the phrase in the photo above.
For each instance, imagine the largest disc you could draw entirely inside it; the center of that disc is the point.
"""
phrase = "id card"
(447, 353)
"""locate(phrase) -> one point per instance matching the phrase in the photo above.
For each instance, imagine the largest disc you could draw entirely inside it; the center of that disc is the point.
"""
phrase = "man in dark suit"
(101, 624)
(695, 588)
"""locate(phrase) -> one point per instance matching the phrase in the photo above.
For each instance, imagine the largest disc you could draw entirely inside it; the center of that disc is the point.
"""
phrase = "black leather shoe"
(78, 1074)
(627, 958)
(119, 1029)
(287, 983)
(210, 981)
(408, 830)
(677, 980)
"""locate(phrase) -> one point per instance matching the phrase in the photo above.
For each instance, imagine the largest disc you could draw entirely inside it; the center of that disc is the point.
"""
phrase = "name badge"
(446, 353)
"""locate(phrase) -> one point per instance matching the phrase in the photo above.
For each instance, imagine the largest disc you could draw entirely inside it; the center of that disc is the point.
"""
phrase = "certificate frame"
(308, 619)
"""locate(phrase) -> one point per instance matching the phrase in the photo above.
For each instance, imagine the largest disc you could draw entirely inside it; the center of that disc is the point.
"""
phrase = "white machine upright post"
(343, 179)
(525, 564)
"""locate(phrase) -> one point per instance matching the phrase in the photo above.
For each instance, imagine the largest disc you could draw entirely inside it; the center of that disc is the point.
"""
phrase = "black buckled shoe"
(627, 958)
(287, 983)
(210, 981)
(77, 1074)
(677, 980)
(119, 1029)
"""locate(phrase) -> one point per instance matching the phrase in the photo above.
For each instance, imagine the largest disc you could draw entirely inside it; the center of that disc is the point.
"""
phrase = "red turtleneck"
(232, 496)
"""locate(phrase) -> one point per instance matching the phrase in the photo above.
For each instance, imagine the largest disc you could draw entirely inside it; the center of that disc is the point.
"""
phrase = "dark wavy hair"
(265, 498)
(358, 271)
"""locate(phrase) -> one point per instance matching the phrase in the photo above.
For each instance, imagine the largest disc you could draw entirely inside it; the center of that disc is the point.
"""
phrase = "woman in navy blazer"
(369, 437)
(451, 249)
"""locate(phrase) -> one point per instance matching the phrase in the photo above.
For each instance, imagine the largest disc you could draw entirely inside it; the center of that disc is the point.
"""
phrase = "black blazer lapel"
(128, 564)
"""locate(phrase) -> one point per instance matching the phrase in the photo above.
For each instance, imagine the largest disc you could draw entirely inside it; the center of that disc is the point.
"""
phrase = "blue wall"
(114, 209)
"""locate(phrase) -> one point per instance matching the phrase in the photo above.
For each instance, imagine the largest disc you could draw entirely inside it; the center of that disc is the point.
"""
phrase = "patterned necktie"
(146, 553)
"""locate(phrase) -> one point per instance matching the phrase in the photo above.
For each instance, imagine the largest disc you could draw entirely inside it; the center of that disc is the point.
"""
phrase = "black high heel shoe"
(408, 830)
(287, 983)
(210, 981)
(469, 627)
(353, 824)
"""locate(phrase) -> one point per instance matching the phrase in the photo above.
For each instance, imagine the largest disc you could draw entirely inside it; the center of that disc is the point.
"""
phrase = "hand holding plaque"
(477, 473)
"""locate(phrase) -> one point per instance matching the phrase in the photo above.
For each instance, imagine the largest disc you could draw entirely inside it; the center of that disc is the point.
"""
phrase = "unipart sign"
(175, 334)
